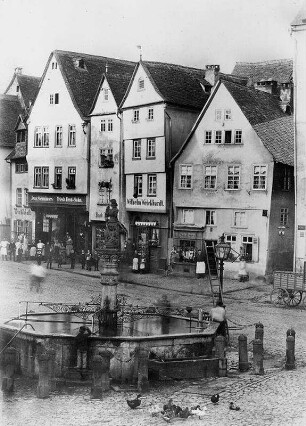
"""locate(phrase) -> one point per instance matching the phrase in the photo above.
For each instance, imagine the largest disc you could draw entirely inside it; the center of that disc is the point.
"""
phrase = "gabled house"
(234, 176)
(106, 177)
(59, 145)
(159, 108)
(23, 88)
(274, 76)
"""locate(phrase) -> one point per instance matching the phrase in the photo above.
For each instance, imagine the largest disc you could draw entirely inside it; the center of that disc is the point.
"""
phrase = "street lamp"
(222, 251)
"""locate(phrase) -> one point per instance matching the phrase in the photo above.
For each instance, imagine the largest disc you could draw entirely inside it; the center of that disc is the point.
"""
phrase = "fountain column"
(109, 250)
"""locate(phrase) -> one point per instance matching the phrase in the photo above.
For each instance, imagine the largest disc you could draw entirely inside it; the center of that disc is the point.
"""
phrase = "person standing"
(39, 251)
(72, 258)
(3, 249)
(88, 260)
(18, 246)
(49, 256)
(82, 344)
(200, 264)
(95, 258)
(13, 250)
(83, 259)
(218, 315)
(135, 266)
(33, 251)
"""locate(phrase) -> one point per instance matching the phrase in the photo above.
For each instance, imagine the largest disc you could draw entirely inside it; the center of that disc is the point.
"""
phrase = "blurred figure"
(88, 260)
(83, 259)
(82, 344)
(12, 250)
(72, 258)
(39, 251)
(3, 249)
(33, 251)
(37, 276)
(49, 256)
(135, 266)
(95, 258)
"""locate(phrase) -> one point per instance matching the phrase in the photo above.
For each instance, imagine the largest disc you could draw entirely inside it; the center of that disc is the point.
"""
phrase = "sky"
(189, 32)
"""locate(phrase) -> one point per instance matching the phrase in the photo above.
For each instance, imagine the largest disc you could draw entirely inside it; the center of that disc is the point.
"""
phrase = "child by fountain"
(82, 347)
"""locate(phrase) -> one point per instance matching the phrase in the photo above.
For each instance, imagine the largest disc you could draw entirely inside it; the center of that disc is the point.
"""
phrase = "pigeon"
(134, 403)
(198, 411)
(232, 406)
(215, 398)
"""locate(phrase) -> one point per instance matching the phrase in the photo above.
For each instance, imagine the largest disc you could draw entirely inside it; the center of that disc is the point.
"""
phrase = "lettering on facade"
(144, 202)
(22, 211)
(57, 199)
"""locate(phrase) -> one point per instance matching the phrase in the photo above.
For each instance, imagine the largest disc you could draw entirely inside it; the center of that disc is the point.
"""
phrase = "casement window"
(135, 115)
(54, 98)
(26, 197)
(136, 149)
(20, 136)
(21, 167)
(58, 172)
(150, 113)
(151, 148)
(185, 176)
(208, 136)
(103, 125)
(37, 137)
(210, 217)
(106, 94)
(41, 177)
(284, 215)
(210, 177)
(249, 248)
(233, 177)
(238, 136)
(137, 186)
(19, 197)
(106, 158)
(228, 136)
(140, 83)
(188, 216)
(71, 181)
(227, 114)
(260, 177)
(71, 135)
(218, 114)
(110, 125)
(104, 194)
(287, 179)
(240, 220)
(58, 136)
(232, 240)
(152, 185)
(218, 136)
(45, 136)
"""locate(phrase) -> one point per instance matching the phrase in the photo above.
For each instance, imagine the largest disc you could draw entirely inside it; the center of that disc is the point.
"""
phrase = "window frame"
(152, 185)
(238, 136)
(218, 114)
(210, 217)
(265, 175)
(103, 125)
(58, 182)
(210, 176)
(242, 223)
(58, 132)
(25, 197)
(45, 137)
(150, 114)
(227, 114)
(18, 197)
(140, 84)
(41, 177)
(136, 115)
(71, 176)
(138, 185)
(151, 150)
(208, 137)
(136, 154)
(71, 135)
(188, 179)
(185, 213)
(218, 141)
(227, 132)
(284, 216)
(110, 125)
(231, 187)
(38, 137)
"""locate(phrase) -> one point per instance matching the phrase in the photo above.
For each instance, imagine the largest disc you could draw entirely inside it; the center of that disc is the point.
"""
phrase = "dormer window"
(81, 63)
(141, 83)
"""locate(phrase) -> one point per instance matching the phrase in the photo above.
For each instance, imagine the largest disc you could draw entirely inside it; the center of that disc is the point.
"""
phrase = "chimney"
(18, 70)
(212, 74)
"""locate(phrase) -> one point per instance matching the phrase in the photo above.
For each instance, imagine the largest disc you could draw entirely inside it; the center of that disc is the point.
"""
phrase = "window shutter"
(255, 251)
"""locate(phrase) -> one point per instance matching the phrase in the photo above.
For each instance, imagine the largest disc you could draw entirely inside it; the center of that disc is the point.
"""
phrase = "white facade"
(299, 67)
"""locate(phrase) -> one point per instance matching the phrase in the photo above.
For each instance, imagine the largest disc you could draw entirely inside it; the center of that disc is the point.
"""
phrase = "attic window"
(17, 89)
(54, 65)
(141, 84)
(81, 64)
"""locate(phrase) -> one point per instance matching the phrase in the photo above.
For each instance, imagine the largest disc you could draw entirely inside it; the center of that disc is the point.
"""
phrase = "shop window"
(45, 224)
(187, 250)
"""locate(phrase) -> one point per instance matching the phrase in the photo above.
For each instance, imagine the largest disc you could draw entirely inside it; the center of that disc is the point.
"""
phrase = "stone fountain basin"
(166, 338)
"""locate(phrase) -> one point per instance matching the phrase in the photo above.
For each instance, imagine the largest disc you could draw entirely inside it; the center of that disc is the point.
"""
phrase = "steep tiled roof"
(83, 83)
(10, 109)
(300, 18)
(257, 106)
(177, 84)
(20, 151)
(29, 88)
(279, 70)
(278, 137)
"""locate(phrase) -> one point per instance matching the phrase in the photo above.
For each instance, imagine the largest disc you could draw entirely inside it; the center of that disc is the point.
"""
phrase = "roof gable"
(10, 109)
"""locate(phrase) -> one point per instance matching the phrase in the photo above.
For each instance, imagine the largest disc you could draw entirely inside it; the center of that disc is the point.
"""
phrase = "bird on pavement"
(232, 406)
(134, 403)
(215, 398)
(198, 411)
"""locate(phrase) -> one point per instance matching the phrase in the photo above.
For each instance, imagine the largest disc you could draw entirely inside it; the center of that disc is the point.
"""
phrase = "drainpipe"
(121, 201)
(87, 125)
(295, 156)
(169, 166)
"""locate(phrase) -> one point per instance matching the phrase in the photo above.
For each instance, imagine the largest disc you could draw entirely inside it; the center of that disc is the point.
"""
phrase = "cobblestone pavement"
(276, 398)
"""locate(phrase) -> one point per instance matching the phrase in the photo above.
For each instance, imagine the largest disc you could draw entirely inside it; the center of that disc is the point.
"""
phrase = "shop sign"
(22, 212)
(186, 235)
(301, 227)
(145, 204)
(51, 216)
(69, 200)
(144, 223)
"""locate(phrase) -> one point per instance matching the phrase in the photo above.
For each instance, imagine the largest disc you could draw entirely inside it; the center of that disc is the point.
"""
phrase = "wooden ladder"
(213, 273)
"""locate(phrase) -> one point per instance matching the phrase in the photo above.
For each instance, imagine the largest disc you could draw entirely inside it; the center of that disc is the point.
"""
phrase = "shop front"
(23, 219)
(150, 242)
(186, 243)
(59, 216)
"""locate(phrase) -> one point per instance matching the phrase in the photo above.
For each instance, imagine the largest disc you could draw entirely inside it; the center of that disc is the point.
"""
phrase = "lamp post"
(222, 251)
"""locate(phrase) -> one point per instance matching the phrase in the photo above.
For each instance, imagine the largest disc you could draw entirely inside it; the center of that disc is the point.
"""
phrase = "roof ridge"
(269, 61)
(94, 56)
(175, 65)
(28, 76)
(8, 97)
